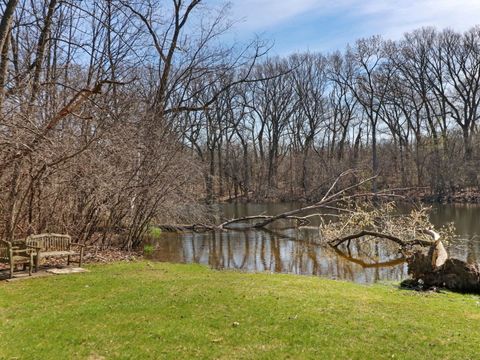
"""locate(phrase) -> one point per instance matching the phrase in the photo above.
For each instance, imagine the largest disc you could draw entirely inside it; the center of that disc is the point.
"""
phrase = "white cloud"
(402, 16)
(262, 14)
(390, 18)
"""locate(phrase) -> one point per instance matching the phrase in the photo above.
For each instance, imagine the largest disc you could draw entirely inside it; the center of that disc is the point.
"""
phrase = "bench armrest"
(22, 251)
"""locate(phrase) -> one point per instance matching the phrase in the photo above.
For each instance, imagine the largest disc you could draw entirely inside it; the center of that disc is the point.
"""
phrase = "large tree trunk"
(3, 70)
(210, 176)
(246, 171)
(374, 156)
(467, 143)
(42, 42)
(7, 21)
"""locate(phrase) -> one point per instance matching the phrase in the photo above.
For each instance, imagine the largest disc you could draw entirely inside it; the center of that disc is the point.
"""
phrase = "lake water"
(296, 250)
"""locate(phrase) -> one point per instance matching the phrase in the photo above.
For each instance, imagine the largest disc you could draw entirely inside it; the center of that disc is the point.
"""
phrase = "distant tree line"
(406, 110)
(116, 114)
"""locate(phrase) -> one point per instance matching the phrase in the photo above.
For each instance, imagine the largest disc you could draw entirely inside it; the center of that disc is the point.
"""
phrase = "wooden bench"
(54, 245)
(15, 253)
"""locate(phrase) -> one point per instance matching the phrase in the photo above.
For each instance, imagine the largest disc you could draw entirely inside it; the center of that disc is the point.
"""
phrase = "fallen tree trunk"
(301, 220)
(329, 201)
(181, 228)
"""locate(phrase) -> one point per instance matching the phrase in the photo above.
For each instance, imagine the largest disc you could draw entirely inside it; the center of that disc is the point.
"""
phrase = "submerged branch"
(402, 243)
(339, 241)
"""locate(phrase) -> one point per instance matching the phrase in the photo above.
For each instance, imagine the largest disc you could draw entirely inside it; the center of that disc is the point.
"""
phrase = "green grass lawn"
(155, 310)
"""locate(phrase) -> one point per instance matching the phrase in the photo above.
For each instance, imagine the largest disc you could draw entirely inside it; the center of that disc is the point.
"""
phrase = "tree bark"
(6, 21)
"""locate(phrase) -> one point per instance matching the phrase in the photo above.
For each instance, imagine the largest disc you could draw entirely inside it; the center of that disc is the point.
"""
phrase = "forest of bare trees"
(115, 114)
(406, 110)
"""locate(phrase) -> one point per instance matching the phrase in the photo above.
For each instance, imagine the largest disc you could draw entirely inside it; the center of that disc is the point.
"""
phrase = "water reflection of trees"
(286, 251)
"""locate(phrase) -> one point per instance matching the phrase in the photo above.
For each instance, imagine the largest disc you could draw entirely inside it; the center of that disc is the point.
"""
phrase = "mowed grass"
(155, 310)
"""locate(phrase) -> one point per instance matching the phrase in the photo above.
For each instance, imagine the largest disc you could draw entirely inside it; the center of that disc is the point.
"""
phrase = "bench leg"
(11, 268)
(37, 261)
(68, 260)
(30, 265)
(81, 258)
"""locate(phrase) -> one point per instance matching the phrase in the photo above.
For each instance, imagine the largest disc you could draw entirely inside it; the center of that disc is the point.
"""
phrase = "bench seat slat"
(57, 253)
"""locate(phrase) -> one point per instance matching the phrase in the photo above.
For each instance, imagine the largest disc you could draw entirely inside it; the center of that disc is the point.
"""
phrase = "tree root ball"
(453, 274)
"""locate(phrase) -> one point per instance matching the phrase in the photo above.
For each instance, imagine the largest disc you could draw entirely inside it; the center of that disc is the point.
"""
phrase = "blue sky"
(322, 25)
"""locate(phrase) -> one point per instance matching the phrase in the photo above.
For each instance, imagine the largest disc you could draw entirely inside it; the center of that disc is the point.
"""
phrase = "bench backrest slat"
(50, 242)
(4, 255)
